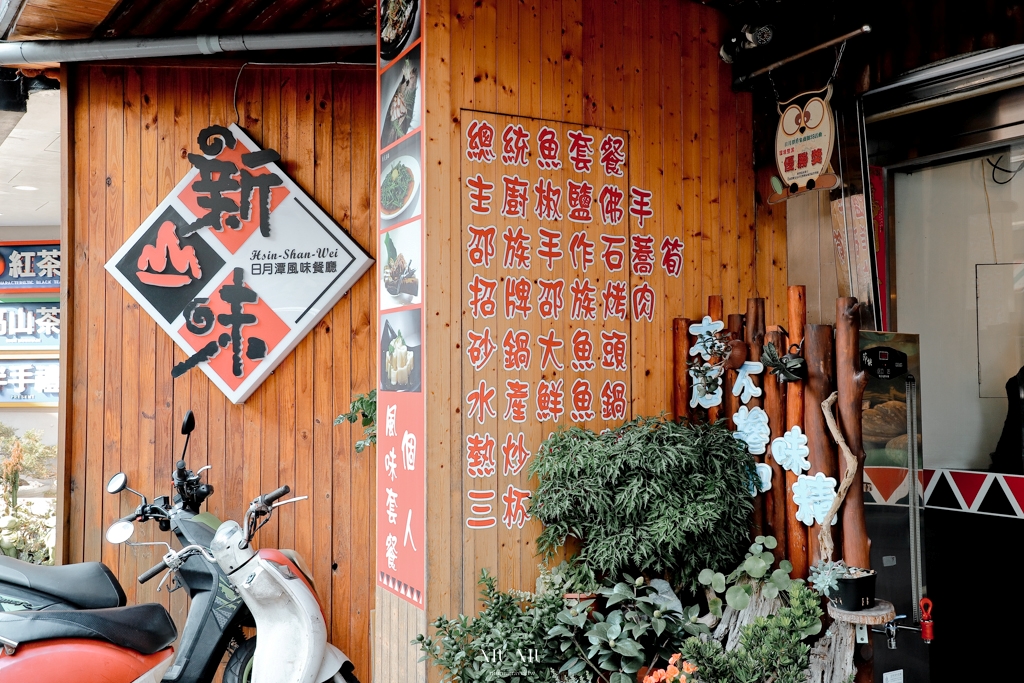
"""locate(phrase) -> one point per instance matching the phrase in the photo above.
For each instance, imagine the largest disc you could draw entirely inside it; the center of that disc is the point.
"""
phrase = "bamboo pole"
(732, 403)
(818, 350)
(796, 532)
(775, 406)
(715, 311)
(851, 381)
(680, 375)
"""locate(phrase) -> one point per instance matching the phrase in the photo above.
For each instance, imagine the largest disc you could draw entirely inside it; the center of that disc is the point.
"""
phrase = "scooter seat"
(90, 585)
(143, 628)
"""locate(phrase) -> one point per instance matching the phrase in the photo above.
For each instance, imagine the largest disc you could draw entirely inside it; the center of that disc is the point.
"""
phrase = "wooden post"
(680, 374)
(754, 336)
(715, 311)
(851, 381)
(818, 350)
(796, 532)
(732, 403)
(775, 406)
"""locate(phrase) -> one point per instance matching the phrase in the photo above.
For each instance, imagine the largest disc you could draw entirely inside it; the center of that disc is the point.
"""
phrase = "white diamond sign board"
(237, 263)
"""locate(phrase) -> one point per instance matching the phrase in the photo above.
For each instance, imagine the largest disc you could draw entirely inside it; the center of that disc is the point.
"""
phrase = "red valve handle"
(927, 625)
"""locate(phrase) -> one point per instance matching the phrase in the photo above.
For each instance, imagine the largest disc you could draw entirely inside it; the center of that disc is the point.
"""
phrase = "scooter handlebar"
(269, 498)
(153, 572)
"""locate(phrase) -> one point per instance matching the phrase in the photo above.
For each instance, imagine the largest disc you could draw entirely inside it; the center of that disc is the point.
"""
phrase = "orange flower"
(672, 671)
(689, 668)
(674, 658)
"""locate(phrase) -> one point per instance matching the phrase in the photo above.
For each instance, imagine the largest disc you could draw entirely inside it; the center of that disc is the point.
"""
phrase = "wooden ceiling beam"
(339, 14)
(280, 13)
(124, 17)
(163, 19)
(202, 15)
(238, 14)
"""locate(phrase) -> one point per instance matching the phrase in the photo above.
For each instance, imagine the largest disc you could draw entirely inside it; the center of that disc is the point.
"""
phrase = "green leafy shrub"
(633, 624)
(651, 496)
(363, 408)
(28, 536)
(506, 641)
(771, 648)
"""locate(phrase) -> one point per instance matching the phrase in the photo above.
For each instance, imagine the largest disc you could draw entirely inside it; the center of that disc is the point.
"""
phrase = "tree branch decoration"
(825, 535)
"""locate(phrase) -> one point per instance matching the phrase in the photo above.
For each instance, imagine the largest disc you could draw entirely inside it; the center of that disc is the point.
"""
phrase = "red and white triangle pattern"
(890, 485)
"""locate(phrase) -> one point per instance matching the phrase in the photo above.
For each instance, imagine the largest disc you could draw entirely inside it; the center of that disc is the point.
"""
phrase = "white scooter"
(291, 644)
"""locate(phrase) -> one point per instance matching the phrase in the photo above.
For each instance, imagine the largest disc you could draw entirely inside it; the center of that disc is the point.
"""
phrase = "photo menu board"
(555, 280)
(401, 444)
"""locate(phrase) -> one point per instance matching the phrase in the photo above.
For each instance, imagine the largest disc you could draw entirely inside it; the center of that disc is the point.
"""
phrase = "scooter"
(216, 614)
(276, 586)
(112, 645)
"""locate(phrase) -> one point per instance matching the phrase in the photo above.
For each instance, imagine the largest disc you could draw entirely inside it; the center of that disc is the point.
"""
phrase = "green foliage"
(28, 536)
(506, 642)
(770, 649)
(363, 407)
(634, 624)
(38, 459)
(787, 368)
(754, 569)
(651, 496)
(825, 575)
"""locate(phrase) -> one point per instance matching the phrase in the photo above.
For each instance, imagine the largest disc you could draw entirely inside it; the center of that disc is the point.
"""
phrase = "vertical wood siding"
(130, 130)
(651, 68)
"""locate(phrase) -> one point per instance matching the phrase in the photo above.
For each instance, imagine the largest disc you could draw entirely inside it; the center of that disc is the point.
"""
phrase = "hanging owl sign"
(803, 145)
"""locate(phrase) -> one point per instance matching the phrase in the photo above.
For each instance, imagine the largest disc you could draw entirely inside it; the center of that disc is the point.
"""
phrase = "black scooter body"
(217, 612)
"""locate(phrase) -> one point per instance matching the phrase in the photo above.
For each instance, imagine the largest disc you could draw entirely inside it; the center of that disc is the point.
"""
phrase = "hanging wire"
(286, 65)
(996, 167)
(835, 69)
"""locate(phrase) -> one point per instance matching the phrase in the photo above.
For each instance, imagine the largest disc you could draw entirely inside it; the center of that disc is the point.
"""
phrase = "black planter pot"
(856, 593)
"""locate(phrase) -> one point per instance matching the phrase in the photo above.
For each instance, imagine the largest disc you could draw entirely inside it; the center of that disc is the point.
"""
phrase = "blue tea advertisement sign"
(30, 326)
(29, 268)
(29, 382)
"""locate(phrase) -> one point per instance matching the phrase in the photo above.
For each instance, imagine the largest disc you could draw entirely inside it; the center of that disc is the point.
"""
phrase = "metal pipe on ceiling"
(60, 51)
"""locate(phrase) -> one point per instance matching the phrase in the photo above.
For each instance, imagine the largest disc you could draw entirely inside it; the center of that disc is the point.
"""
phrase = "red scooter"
(115, 645)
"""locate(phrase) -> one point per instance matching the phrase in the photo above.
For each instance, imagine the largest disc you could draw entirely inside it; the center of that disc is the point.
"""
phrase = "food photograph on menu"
(400, 182)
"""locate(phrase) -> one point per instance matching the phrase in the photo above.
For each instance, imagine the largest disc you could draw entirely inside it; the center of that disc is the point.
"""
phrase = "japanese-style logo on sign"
(237, 263)
(29, 267)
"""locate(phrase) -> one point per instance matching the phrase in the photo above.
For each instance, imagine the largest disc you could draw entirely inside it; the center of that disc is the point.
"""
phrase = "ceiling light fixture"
(26, 188)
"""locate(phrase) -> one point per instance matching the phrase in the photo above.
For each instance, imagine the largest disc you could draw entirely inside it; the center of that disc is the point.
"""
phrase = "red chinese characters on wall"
(560, 268)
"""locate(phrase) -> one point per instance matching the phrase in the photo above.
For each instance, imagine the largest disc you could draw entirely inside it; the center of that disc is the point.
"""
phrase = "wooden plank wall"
(129, 131)
(651, 68)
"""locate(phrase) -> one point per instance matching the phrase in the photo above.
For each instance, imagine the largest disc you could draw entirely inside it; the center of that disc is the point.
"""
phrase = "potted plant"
(850, 588)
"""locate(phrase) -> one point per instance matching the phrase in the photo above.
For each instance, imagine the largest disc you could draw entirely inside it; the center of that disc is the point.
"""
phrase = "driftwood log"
(851, 381)
(796, 532)
(851, 469)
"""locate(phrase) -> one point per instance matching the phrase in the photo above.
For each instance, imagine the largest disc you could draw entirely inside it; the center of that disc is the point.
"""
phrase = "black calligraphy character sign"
(218, 177)
(199, 320)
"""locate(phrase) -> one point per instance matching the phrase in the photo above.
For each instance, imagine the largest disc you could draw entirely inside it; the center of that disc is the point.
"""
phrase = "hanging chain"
(835, 69)
(774, 89)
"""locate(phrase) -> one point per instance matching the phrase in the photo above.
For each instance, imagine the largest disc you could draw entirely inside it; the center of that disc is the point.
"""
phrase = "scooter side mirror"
(120, 531)
(189, 423)
(117, 483)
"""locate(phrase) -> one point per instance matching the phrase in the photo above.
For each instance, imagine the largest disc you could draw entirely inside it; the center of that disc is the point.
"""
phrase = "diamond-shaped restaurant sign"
(237, 263)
